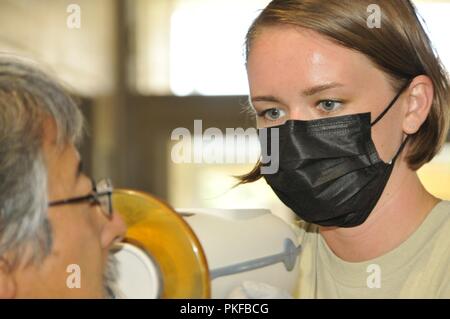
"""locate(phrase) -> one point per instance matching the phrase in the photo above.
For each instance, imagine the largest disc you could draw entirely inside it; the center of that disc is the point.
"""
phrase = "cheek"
(76, 239)
(75, 242)
(260, 123)
(387, 135)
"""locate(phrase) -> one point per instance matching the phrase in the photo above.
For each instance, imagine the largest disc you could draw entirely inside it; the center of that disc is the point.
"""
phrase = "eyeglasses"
(101, 195)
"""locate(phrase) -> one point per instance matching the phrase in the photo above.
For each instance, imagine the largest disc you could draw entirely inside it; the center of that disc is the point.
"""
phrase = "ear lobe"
(7, 282)
(419, 102)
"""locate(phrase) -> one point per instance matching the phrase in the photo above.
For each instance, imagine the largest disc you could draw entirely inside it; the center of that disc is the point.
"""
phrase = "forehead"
(285, 53)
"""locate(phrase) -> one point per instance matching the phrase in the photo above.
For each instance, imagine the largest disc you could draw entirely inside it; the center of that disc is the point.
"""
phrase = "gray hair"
(28, 97)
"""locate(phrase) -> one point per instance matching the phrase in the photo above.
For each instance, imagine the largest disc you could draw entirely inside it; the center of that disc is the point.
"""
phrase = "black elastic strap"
(402, 146)
(392, 103)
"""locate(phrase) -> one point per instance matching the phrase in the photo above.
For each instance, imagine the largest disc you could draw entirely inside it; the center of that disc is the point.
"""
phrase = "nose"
(297, 114)
(114, 231)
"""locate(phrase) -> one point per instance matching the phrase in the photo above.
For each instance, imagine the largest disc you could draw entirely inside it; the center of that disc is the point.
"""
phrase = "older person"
(53, 220)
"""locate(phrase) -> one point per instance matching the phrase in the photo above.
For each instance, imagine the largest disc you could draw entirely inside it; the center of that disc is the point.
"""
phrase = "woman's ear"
(418, 103)
(7, 282)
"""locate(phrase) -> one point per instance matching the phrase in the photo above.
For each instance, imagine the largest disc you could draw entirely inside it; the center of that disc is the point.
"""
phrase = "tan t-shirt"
(418, 268)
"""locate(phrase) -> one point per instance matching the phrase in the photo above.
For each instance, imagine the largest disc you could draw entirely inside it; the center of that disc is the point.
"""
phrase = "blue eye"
(329, 106)
(272, 114)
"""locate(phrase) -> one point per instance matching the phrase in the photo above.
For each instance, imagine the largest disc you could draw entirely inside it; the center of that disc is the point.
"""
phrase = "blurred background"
(145, 67)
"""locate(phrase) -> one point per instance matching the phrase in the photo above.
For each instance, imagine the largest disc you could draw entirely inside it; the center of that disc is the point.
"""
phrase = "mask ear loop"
(392, 103)
(402, 146)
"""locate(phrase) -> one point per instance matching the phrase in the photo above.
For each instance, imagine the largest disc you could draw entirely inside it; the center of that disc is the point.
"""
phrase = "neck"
(401, 209)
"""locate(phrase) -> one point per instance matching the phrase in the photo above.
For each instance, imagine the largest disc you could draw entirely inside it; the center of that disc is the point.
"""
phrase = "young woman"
(360, 102)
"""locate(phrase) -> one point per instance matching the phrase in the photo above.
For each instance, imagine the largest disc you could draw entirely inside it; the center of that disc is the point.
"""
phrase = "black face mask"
(329, 172)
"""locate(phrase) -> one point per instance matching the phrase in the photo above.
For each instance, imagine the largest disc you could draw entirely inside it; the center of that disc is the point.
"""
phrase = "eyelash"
(317, 106)
(265, 112)
(329, 112)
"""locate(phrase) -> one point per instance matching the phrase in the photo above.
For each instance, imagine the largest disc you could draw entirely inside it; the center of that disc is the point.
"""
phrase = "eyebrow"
(267, 98)
(307, 92)
(319, 88)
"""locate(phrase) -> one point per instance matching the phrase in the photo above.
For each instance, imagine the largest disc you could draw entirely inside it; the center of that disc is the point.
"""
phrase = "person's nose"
(295, 113)
(114, 231)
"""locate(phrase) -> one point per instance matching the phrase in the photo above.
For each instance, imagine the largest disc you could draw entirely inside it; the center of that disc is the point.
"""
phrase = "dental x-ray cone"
(161, 257)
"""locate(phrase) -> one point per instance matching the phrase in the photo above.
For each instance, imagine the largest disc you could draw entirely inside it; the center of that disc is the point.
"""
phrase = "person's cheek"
(85, 252)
